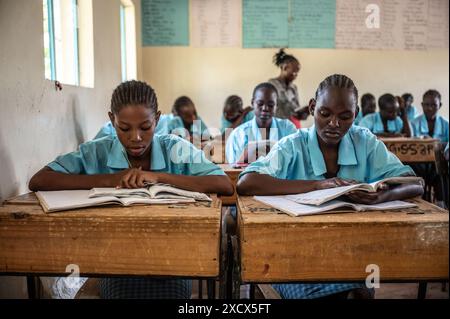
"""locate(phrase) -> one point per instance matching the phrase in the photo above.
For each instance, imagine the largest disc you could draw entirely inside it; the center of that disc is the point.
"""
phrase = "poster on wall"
(165, 22)
(216, 23)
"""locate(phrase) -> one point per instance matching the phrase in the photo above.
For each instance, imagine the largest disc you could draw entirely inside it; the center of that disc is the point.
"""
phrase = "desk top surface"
(253, 212)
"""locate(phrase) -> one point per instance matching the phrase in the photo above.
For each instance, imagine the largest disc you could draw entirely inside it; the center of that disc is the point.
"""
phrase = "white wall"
(37, 123)
(208, 76)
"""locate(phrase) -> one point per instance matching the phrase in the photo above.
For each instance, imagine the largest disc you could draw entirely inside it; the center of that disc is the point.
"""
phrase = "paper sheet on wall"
(265, 23)
(165, 22)
(216, 23)
(312, 23)
(403, 25)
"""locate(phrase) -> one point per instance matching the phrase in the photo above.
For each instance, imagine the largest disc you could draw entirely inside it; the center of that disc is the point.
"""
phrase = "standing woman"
(288, 104)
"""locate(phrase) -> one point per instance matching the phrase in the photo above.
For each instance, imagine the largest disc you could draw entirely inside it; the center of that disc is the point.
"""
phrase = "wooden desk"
(233, 174)
(411, 244)
(410, 150)
(159, 240)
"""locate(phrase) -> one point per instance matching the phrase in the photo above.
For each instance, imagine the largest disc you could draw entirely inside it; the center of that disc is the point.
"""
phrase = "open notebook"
(54, 201)
(325, 195)
(292, 208)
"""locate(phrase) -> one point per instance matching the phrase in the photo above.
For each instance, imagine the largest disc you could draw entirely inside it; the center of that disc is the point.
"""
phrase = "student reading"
(368, 106)
(264, 128)
(234, 113)
(331, 153)
(106, 162)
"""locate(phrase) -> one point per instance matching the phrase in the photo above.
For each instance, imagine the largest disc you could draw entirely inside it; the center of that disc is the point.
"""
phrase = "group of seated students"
(134, 148)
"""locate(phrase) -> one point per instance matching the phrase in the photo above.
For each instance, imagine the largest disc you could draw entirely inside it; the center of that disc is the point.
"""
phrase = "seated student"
(387, 123)
(242, 144)
(333, 152)
(430, 123)
(136, 155)
(368, 106)
(411, 110)
(162, 127)
(234, 114)
(187, 124)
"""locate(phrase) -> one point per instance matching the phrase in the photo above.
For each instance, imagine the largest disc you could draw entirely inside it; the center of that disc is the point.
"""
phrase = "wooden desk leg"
(252, 291)
(236, 269)
(224, 265)
(31, 287)
(211, 288)
(422, 290)
(200, 289)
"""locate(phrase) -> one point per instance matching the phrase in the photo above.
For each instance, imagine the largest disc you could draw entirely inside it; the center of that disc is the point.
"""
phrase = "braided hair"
(337, 81)
(282, 57)
(234, 101)
(181, 101)
(133, 92)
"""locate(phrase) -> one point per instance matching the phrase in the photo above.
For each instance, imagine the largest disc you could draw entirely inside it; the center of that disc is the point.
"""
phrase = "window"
(68, 41)
(127, 40)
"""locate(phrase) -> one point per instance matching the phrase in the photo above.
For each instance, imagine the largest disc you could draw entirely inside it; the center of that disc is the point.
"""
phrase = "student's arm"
(49, 180)
(263, 184)
(398, 192)
(406, 131)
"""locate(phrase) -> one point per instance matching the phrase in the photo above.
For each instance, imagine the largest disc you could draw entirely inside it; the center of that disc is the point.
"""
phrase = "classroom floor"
(386, 291)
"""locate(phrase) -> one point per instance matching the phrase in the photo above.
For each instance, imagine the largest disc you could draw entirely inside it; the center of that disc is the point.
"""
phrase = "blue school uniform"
(250, 132)
(375, 124)
(227, 124)
(199, 128)
(411, 113)
(358, 118)
(170, 154)
(161, 129)
(420, 127)
(362, 157)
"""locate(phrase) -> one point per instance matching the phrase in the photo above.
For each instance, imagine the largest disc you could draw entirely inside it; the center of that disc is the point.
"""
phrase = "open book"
(157, 194)
(324, 195)
(292, 208)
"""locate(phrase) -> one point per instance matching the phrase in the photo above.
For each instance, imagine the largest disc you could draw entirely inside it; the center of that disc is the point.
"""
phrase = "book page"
(64, 200)
(321, 196)
(119, 192)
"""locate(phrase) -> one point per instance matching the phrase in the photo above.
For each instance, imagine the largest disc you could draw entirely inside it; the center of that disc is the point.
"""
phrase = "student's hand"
(334, 182)
(367, 198)
(248, 109)
(137, 178)
(402, 104)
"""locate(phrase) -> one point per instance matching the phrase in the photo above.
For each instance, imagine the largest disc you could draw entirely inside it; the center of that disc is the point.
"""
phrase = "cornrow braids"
(133, 92)
(265, 85)
(385, 99)
(337, 81)
(181, 101)
(433, 93)
(281, 57)
(234, 101)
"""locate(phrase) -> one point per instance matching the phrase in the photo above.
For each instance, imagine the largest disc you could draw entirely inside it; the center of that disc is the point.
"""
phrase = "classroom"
(256, 117)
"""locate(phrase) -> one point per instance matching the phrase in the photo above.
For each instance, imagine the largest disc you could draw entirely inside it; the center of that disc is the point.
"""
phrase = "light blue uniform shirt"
(375, 124)
(250, 132)
(358, 118)
(362, 157)
(169, 154)
(412, 113)
(176, 126)
(420, 127)
(161, 129)
(226, 124)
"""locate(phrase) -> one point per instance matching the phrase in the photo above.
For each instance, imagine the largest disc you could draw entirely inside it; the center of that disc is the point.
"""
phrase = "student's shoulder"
(360, 133)
(294, 140)
(100, 144)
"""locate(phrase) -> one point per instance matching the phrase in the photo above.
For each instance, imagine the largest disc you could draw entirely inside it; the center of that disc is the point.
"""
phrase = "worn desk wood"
(140, 240)
(410, 244)
(410, 150)
(233, 174)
